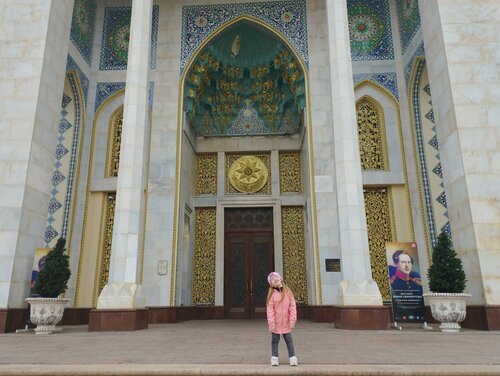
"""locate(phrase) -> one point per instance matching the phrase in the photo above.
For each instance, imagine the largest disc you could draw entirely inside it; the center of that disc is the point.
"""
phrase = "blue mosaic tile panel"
(57, 178)
(430, 115)
(447, 229)
(288, 17)
(438, 171)
(387, 80)
(370, 30)
(409, 66)
(154, 36)
(65, 163)
(84, 81)
(408, 21)
(434, 143)
(65, 101)
(116, 34)
(61, 151)
(54, 205)
(83, 26)
(50, 234)
(151, 94)
(64, 125)
(442, 199)
(105, 90)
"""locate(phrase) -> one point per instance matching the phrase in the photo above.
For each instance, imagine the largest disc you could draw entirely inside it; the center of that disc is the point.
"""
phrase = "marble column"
(357, 286)
(462, 52)
(34, 38)
(123, 290)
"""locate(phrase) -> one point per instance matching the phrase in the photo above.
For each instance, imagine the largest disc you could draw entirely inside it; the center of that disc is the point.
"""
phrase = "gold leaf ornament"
(248, 174)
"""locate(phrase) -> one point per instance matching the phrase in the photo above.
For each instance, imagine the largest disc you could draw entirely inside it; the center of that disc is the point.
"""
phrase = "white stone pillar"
(123, 289)
(34, 38)
(462, 51)
(357, 287)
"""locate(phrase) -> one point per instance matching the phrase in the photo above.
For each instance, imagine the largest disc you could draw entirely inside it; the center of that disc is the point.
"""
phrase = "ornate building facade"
(185, 149)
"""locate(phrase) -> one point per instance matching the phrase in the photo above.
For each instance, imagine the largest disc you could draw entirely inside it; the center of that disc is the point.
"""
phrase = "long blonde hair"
(286, 290)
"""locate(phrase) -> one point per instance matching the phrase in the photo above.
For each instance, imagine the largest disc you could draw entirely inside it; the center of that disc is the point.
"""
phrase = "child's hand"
(273, 329)
(292, 326)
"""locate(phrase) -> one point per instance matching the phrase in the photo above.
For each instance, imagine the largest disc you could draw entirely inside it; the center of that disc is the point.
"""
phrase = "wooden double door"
(248, 259)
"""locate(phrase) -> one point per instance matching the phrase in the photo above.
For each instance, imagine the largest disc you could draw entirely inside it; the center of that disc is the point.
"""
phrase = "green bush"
(53, 277)
(446, 273)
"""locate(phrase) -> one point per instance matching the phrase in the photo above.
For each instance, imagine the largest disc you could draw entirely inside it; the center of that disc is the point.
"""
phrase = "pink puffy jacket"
(281, 314)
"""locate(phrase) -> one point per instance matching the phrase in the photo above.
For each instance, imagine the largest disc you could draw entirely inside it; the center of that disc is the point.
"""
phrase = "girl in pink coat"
(281, 316)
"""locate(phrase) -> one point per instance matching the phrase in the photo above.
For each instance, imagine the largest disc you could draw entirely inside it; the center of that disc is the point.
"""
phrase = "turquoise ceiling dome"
(244, 70)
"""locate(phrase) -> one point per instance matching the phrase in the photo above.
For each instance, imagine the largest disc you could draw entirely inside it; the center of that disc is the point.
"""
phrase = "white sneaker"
(293, 361)
(275, 361)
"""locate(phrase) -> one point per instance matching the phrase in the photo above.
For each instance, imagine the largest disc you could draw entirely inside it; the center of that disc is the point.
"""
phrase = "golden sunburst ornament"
(248, 174)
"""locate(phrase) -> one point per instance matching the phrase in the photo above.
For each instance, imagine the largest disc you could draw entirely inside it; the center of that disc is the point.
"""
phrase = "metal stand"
(426, 327)
(25, 330)
(396, 326)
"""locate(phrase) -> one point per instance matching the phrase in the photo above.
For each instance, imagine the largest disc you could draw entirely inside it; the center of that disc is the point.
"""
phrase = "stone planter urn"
(448, 308)
(45, 313)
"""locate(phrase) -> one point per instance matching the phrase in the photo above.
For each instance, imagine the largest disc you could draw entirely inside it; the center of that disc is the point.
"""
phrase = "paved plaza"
(241, 347)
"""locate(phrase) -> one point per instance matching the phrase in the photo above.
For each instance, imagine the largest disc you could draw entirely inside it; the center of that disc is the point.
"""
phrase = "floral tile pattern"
(408, 21)
(115, 38)
(288, 17)
(370, 30)
(83, 26)
(387, 80)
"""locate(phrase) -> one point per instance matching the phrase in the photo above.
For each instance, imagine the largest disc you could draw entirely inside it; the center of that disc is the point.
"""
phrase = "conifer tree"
(446, 273)
(53, 277)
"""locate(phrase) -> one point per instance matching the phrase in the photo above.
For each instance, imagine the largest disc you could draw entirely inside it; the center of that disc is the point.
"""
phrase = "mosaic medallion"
(408, 20)
(82, 27)
(248, 174)
(365, 29)
(409, 11)
(118, 39)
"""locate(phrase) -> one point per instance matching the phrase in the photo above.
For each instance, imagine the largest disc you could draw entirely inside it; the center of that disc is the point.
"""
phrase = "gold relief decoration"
(114, 141)
(371, 133)
(294, 251)
(248, 173)
(204, 256)
(206, 174)
(379, 232)
(106, 241)
(290, 172)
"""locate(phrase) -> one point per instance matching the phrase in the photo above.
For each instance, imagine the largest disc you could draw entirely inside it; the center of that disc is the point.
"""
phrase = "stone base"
(12, 319)
(115, 320)
(159, 315)
(348, 317)
(359, 293)
(363, 318)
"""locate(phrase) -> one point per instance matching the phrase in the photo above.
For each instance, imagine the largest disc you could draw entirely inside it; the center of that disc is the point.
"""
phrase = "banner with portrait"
(406, 282)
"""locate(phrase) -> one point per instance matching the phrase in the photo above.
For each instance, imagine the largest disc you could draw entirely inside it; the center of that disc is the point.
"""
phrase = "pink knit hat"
(272, 275)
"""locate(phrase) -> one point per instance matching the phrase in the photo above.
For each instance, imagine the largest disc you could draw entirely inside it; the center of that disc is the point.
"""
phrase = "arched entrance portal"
(244, 161)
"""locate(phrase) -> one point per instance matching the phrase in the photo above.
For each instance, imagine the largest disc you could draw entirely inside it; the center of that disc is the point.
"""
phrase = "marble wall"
(461, 40)
(31, 84)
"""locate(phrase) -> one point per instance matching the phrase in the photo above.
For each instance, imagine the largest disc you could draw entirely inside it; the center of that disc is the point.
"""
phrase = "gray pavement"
(241, 347)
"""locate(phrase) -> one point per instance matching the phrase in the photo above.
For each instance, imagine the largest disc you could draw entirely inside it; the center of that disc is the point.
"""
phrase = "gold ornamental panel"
(206, 174)
(114, 141)
(378, 220)
(294, 251)
(290, 172)
(109, 221)
(371, 133)
(204, 256)
(248, 173)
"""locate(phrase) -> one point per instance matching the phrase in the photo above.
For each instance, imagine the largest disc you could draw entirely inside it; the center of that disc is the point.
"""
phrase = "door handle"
(251, 287)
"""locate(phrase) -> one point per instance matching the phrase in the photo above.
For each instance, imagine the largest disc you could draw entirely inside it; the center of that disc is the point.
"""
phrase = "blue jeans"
(275, 339)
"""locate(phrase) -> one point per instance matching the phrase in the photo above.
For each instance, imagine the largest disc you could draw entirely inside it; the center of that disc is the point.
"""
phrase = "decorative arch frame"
(383, 137)
(180, 119)
(427, 205)
(395, 103)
